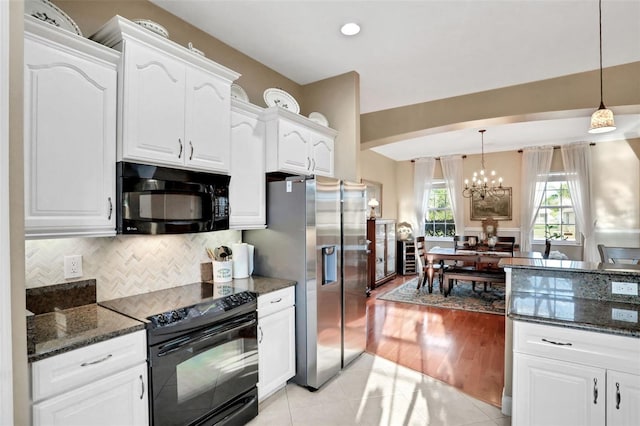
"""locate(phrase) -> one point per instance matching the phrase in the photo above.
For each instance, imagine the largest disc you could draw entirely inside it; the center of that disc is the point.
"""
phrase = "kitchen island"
(570, 334)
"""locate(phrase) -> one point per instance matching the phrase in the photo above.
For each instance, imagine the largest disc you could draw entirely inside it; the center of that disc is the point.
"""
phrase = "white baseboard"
(506, 404)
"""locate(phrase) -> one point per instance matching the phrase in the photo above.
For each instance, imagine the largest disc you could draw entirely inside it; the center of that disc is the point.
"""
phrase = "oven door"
(196, 378)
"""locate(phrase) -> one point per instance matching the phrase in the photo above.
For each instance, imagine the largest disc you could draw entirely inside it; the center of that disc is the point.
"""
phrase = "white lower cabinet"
(276, 341)
(570, 377)
(100, 384)
(119, 399)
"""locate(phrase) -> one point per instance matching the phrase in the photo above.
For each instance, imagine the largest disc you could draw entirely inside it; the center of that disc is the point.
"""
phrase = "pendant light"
(602, 119)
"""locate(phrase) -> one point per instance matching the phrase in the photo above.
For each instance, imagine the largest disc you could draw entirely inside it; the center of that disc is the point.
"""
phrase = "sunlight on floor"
(375, 391)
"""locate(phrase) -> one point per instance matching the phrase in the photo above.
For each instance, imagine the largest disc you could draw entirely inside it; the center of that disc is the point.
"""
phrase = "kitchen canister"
(222, 271)
(242, 260)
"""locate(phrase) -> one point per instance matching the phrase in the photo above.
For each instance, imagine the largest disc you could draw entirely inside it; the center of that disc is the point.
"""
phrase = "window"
(439, 220)
(556, 219)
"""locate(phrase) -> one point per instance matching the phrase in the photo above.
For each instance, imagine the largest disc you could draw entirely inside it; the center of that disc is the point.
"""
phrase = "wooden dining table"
(477, 256)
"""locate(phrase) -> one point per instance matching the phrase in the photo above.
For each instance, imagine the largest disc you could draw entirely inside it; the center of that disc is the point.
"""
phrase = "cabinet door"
(69, 142)
(322, 154)
(207, 121)
(551, 392)
(293, 148)
(391, 247)
(623, 398)
(276, 351)
(120, 399)
(247, 189)
(152, 106)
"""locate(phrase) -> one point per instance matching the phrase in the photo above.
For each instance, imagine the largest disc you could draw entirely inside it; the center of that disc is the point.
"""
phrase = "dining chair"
(629, 255)
(505, 244)
(421, 250)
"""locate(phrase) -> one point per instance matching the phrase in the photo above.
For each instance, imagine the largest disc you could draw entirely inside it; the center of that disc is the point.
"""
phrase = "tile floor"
(375, 391)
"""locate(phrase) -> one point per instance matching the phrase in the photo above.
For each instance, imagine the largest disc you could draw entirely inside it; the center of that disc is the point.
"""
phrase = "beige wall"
(615, 185)
(91, 15)
(378, 168)
(16, 206)
(338, 99)
(510, 104)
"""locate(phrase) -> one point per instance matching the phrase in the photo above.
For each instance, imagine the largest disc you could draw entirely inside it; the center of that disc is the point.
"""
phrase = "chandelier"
(481, 184)
(602, 119)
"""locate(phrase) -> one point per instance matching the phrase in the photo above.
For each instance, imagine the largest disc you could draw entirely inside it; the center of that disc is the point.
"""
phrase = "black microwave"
(162, 200)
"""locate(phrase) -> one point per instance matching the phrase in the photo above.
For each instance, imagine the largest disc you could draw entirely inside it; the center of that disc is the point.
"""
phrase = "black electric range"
(202, 353)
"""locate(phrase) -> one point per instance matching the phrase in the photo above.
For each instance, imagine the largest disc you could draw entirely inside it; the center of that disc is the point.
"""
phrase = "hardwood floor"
(461, 348)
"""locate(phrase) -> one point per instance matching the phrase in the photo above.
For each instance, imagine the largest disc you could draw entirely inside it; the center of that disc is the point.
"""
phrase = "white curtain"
(536, 163)
(577, 164)
(422, 180)
(453, 176)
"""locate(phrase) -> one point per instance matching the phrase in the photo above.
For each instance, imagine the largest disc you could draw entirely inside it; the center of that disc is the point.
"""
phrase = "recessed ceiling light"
(350, 28)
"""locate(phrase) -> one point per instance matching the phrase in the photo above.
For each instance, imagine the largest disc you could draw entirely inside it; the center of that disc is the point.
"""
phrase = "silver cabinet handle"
(85, 364)
(141, 387)
(110, 208)
(595, 391)
(556, 343)
(180, 153)
(314, 164)
(191, 155)
(308, 163)
(277, 301)
(261, 334)
(617, 396)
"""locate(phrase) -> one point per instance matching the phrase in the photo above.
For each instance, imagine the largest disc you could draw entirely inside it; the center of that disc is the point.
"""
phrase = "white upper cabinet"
(175, 104)
(247, 189)
(70, 89)
(152, 106)
(298, 145)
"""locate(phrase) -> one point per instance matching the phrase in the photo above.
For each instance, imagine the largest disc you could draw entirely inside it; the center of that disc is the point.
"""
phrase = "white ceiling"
(422, 50)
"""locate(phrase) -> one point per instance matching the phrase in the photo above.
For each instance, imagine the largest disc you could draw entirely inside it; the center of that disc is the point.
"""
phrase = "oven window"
(204, 372)
(164, 206)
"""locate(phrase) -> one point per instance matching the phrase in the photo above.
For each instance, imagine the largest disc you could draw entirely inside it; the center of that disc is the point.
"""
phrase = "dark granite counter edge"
(576, 325)
(84, 342)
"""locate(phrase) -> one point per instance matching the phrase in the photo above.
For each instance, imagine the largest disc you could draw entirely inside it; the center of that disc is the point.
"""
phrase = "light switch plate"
(629, 289)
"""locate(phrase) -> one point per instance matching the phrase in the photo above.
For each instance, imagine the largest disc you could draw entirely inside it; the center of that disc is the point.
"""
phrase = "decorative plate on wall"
(152, 26)
(319, 118)
(239, 93)
(50, 13)
(278, 97)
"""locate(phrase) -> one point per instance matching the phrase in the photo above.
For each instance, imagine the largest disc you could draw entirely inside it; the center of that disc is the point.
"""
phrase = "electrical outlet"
(624, 315)
(629, 289)
(73, 266)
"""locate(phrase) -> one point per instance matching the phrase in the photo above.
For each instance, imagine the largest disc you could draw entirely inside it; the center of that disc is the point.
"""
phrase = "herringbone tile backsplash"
(125, 265)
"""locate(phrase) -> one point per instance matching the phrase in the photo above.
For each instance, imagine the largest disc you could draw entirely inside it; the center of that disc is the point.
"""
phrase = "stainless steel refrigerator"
(316, 235)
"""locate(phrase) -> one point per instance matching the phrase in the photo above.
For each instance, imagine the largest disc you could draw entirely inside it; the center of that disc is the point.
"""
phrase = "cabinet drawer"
(276, 301)
(72, 369)
(584, 347)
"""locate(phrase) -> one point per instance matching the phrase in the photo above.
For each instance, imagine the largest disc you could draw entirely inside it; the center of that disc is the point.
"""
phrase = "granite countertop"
(576, 312)
(64, 317)
(570, 265)
(255, 284)
(53, 333)
(575, 295)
